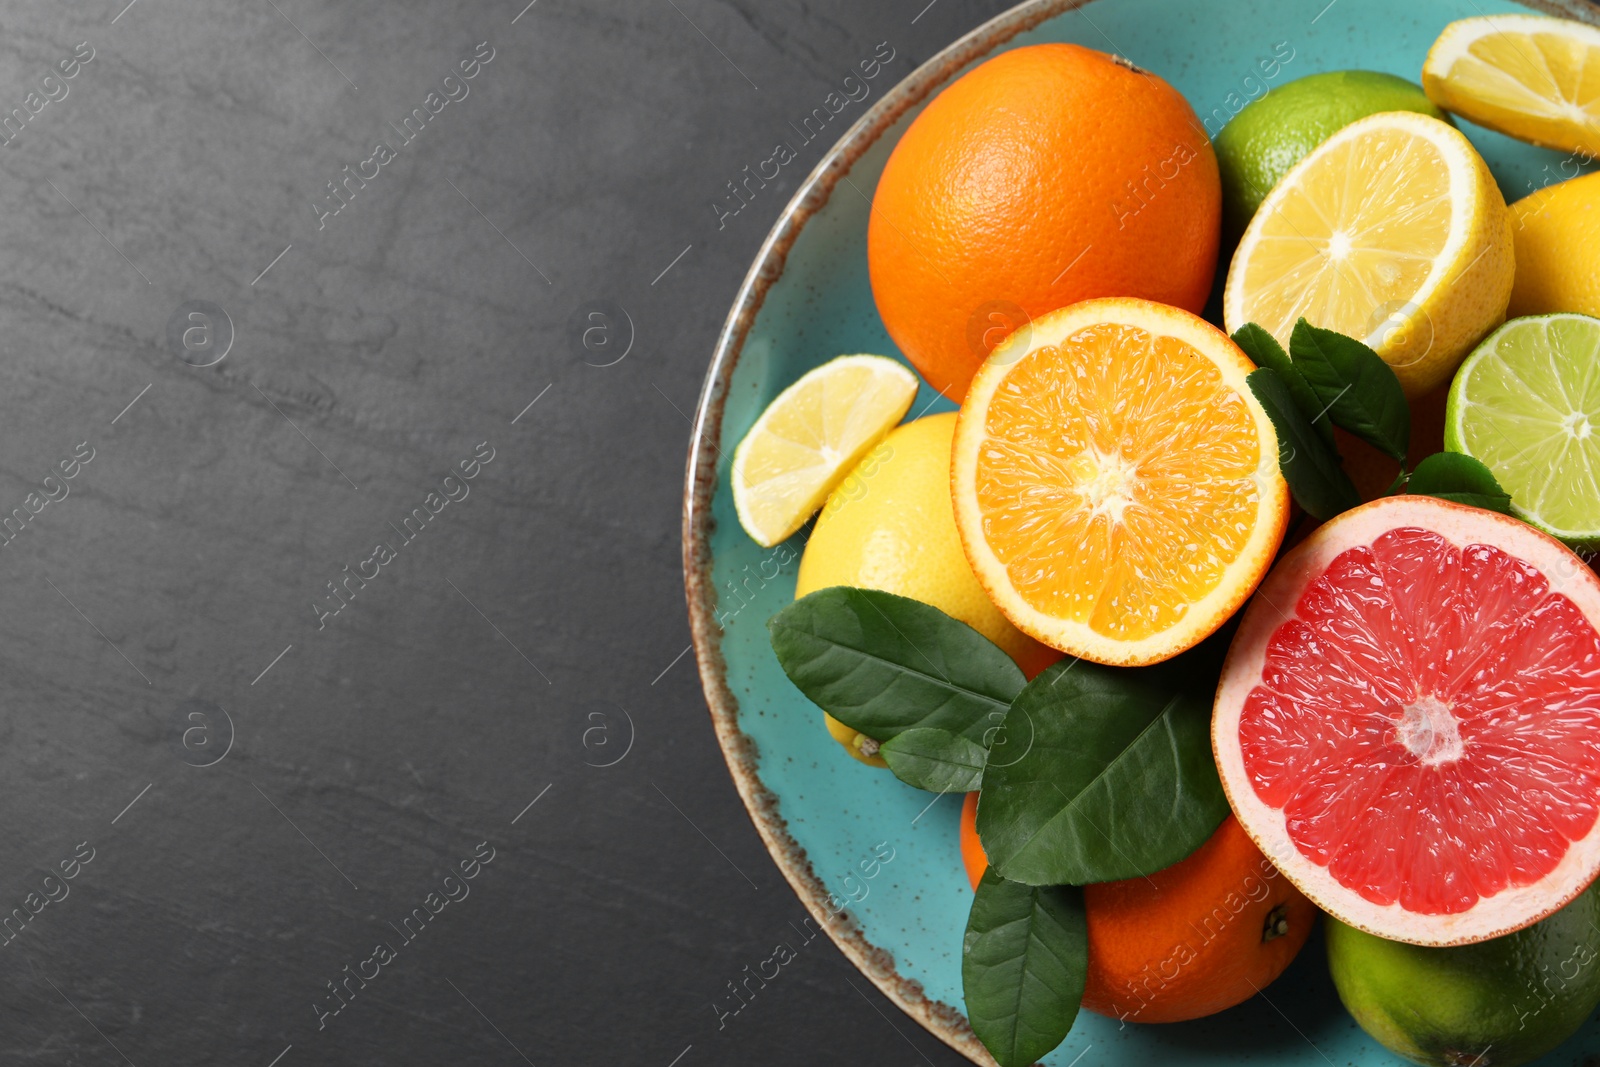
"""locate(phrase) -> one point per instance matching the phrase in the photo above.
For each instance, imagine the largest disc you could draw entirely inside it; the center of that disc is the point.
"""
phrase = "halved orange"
(1116, 483)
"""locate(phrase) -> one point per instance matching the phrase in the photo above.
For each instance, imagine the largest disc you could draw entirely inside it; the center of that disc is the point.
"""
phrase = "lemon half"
(1392, 231)
(1533, 78)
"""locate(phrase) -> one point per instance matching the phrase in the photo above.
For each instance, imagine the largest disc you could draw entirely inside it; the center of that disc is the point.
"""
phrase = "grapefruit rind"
(1201, 617)
(1507, 911)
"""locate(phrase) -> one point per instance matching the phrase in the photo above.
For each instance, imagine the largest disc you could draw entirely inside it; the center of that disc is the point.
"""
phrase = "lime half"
(1526, 403)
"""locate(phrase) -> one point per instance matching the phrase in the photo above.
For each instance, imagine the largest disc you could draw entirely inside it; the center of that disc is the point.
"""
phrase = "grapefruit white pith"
(1408, 722)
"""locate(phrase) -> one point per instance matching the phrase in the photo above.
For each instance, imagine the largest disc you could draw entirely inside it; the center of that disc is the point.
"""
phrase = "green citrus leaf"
(1357, 388)
(1102, 773)
(882, 664)
(1310, 465)
(1023, 964)
(1452, 476)
(936, 760)
(1265, 351)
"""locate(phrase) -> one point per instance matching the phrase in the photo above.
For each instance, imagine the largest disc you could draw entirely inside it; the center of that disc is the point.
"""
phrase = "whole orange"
(972, 856)
(1047, 175)
(1198, 937)
(1205, 934)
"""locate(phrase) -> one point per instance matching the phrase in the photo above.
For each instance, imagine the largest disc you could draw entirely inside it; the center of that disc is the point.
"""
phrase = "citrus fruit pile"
(1139, 598)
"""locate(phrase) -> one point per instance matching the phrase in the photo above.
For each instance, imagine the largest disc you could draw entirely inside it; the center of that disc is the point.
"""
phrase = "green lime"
(1526, 404)
(1275, 132)
(1498, 1003)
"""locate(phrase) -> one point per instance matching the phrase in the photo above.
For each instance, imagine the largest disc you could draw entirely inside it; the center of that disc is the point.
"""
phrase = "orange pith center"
(1116, 482)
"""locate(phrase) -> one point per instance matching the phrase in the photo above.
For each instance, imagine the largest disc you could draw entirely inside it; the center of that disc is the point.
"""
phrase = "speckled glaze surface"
(806, 299)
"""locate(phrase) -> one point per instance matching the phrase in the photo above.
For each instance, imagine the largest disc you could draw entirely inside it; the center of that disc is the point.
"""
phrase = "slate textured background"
(264, 789)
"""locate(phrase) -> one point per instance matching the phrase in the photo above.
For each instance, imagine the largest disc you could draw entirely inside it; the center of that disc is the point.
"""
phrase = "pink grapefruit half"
(1408, 722)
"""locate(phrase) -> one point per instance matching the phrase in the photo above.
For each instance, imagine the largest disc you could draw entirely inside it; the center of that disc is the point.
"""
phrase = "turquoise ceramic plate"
(806, 300)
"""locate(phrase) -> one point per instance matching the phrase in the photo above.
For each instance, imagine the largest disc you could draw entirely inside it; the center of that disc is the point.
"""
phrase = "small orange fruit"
(1205, 934)
(1115, 481)
(1044, 176)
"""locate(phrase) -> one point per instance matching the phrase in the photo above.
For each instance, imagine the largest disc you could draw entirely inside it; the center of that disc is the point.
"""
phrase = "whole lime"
(1280, 129)
(1497, 1003)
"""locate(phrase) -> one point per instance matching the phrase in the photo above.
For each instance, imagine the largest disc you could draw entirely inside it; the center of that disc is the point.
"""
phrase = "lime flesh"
(1526, 403)
(1498, 1003)
(1270, 135)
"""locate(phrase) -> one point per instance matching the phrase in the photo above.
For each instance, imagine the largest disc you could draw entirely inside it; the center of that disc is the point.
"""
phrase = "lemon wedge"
(1530, 77)
(810, 437)
(1392, 231)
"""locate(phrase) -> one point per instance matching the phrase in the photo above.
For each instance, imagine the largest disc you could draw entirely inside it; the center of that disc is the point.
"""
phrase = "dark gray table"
(242, 744)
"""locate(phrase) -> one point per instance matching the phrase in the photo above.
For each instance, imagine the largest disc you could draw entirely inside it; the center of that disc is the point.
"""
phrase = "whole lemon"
(890, 525)
(1556, 231)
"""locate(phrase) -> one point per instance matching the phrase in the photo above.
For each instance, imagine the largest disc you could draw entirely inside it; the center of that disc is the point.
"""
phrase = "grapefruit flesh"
(1408, 722)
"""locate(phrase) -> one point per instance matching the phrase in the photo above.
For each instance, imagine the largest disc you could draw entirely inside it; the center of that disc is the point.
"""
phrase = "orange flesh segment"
(1116, 482)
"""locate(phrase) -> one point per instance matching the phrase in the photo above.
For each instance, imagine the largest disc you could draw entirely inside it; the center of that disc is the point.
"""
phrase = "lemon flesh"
(810, 437)
(1533, 78)
(1392, 231)
(1526, 404)
(1263, 141)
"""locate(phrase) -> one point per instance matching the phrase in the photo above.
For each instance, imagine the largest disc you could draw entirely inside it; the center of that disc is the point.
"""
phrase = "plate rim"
(700, 483)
